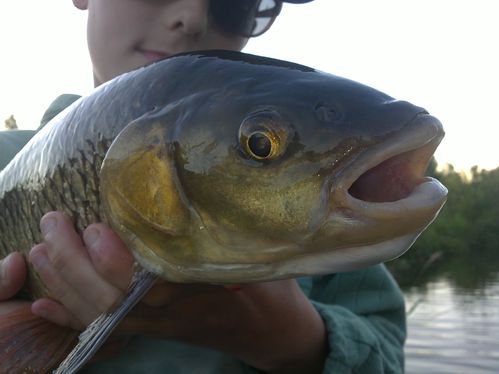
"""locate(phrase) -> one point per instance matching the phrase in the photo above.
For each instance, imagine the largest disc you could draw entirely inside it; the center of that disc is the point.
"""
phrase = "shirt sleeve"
(57, 106)
(364, 314)
(12, 141)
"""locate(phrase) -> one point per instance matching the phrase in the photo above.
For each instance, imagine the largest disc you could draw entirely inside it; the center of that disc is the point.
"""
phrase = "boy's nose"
(187, 16)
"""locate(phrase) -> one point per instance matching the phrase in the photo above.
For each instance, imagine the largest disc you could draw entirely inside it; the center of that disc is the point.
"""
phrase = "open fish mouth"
(388, 180)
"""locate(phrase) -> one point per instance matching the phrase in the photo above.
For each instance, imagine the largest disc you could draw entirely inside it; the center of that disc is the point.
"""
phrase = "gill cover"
(139, 186)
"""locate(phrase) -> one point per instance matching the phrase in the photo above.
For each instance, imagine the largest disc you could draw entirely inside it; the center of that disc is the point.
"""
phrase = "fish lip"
(422, 131)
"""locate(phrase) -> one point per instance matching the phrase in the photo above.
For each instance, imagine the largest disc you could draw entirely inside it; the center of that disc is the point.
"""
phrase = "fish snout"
(385, 186)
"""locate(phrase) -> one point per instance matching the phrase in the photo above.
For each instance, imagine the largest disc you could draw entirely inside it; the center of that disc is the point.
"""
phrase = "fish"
(226, 168)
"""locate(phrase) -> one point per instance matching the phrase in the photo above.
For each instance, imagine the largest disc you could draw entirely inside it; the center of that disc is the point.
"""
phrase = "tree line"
(463, 242)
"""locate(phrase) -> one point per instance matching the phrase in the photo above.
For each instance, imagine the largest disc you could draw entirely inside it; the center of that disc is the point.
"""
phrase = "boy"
(337, 323)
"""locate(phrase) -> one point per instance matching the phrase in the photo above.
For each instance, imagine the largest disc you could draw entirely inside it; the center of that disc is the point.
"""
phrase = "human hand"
(271, 326)
(86, 277)
(12, 277)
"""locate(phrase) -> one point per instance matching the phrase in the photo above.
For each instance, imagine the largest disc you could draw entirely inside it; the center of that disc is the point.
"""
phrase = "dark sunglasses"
(247, 18)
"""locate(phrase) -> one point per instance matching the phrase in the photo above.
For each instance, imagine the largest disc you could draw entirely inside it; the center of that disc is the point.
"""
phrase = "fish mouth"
(388, 182)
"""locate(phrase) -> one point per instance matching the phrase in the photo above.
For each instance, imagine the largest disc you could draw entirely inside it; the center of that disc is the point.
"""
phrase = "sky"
(439, 54)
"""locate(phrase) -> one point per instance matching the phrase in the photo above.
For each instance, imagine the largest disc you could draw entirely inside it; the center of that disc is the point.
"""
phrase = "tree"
(463, 241)
(10, 123)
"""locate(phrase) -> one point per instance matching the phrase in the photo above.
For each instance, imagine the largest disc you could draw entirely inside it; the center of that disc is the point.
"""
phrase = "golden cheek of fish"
(250, 189)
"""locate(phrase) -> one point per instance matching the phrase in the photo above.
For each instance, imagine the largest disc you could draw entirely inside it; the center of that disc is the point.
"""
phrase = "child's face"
(126, 34)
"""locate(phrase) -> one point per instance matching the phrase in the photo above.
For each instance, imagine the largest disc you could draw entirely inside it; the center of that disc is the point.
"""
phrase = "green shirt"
(363, 311)
(11, 141)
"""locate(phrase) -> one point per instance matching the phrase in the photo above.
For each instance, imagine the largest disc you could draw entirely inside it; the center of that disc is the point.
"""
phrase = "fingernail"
(42, 312)
(91, 237)
(47, 224)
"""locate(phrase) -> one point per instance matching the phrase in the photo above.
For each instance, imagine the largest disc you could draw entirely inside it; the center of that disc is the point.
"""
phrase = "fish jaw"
(359, 214)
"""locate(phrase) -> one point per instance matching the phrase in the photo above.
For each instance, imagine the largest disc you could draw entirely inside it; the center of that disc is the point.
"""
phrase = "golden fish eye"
(260, 145)
(263, 135)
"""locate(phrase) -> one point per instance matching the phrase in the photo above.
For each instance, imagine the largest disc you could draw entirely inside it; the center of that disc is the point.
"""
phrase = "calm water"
(453, 330)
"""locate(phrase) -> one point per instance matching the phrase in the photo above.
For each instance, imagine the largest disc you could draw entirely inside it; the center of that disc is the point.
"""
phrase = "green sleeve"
(12, 141)
(57, 106)
(364, 313)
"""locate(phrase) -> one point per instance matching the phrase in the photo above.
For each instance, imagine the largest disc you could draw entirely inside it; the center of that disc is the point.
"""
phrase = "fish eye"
(260, 144)
(263, 135)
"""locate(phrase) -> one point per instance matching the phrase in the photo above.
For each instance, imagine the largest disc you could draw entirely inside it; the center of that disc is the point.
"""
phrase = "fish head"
(283, 171)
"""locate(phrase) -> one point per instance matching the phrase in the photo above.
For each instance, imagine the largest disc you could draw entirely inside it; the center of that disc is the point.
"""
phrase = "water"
(453, 330)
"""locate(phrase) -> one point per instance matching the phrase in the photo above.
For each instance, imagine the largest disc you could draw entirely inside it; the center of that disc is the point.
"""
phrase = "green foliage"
(463, 242)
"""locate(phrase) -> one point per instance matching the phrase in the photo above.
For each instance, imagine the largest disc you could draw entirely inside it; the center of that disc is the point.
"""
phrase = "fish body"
(224, 167)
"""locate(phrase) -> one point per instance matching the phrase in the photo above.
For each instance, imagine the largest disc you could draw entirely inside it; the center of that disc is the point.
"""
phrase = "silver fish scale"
(73, 188)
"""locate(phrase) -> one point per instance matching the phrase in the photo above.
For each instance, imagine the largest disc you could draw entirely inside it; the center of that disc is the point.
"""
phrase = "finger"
(12, 275)
(159, 307)
(69, 258)
(109, 255)
(57, 227)
(165, 293)
(58, 287)
(147, 320)
(161, 294)
(192, 310)
(113, 345)
(233, 287)
(55, 312)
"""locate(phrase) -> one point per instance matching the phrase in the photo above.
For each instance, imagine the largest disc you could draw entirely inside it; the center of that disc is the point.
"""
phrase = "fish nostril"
(327, 113)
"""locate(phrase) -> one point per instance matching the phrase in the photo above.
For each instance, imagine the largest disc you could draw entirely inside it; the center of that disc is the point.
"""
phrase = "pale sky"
(439, 54)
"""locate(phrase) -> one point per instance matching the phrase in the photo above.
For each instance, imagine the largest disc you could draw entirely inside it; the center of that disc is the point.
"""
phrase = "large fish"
(224, 167)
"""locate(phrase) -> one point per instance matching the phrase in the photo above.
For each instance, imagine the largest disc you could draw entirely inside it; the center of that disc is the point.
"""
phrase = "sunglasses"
(247, 18)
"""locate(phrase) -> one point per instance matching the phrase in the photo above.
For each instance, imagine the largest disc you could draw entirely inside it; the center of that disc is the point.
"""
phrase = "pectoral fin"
(96, 334)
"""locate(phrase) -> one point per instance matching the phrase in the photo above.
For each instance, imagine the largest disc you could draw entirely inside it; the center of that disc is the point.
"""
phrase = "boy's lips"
(153, 55)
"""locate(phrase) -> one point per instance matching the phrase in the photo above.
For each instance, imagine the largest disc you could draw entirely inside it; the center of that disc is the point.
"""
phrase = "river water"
(453, 330)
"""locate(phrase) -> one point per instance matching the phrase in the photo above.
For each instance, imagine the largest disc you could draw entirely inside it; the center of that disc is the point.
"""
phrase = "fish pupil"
(260, 145)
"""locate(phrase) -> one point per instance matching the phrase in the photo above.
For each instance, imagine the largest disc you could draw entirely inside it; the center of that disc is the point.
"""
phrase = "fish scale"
(65, 190)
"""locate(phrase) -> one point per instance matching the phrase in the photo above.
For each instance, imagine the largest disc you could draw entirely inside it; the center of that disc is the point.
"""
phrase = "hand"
(271, 326)
(86, 277)
(12, 277)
